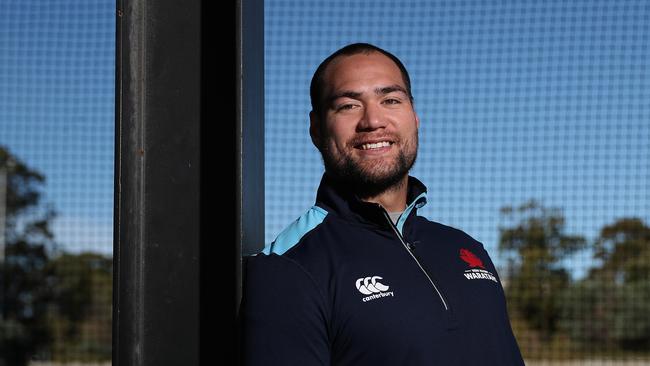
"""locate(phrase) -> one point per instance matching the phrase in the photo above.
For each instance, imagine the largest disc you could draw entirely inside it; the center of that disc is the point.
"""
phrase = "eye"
(392, 101)
(345, 107)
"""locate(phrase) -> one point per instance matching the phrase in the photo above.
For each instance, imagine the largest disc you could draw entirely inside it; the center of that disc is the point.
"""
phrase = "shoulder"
(305, 250)
(296, 231)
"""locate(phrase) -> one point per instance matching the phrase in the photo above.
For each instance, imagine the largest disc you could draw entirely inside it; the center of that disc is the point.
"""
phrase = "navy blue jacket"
(343, 285)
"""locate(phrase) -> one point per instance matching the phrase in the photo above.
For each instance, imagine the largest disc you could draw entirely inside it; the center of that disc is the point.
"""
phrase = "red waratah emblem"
(471, 259)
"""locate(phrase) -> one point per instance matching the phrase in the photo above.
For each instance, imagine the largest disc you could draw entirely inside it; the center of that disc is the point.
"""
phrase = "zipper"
(408, 248)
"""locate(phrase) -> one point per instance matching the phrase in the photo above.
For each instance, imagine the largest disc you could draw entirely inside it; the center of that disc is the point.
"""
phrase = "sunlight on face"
(369, 131)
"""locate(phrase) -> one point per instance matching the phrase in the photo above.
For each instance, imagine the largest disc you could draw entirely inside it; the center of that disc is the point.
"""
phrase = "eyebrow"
(355, 95)
(390, 89)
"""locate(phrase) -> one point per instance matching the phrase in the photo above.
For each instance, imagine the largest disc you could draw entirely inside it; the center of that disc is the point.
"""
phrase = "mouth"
(374, 145)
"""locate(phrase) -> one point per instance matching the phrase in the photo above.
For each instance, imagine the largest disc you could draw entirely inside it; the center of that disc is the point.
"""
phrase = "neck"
(392, 199)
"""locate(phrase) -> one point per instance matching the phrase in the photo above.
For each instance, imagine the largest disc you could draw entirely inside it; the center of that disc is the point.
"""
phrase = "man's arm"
(282, 314)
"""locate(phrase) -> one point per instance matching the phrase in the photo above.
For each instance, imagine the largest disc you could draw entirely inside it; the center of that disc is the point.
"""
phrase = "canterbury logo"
(369, 285)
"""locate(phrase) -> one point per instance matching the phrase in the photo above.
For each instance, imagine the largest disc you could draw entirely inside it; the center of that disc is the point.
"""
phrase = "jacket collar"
(334, 197)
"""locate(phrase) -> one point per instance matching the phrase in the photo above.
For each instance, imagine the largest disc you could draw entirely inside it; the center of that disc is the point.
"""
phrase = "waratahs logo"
(475, 263)
(471, 259)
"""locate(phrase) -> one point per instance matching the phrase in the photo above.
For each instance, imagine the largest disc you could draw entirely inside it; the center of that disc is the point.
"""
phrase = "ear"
(314, 129)
(417, 121)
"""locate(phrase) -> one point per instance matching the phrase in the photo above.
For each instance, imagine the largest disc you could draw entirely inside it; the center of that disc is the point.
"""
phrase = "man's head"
(363, 120)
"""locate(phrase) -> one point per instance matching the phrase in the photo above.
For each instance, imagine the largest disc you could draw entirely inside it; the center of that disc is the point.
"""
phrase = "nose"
(373, 118)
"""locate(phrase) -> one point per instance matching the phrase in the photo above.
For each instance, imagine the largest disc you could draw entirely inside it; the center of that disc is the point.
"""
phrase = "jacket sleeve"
(282, 314)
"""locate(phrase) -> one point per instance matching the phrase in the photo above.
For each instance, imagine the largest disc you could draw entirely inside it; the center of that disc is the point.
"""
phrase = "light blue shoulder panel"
(294, 232)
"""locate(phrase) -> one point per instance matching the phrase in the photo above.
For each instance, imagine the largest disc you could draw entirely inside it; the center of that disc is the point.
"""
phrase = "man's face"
(368, 131)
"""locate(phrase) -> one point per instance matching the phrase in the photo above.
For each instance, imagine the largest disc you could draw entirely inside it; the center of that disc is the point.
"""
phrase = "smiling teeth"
(375, 146)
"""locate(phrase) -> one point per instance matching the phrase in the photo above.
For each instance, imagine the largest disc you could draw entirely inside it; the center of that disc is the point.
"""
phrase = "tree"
(81, 307)
(27, 238)
(535, 240)
(624, 248)
(609, 309)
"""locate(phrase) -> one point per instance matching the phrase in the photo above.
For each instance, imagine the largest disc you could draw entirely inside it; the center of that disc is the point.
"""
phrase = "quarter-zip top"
(409, 249)
(337, 288)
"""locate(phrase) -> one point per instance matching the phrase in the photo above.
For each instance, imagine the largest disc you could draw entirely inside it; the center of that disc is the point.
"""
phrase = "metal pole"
(157, 189)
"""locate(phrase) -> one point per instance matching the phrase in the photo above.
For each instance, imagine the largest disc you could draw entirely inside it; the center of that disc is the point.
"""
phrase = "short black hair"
(316, 87)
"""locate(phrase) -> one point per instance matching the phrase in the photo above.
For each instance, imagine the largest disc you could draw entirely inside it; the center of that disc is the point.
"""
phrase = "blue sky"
(57, 109)
(520, 100)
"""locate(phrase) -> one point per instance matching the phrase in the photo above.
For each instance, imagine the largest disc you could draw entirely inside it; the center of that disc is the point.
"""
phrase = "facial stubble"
(371, 181)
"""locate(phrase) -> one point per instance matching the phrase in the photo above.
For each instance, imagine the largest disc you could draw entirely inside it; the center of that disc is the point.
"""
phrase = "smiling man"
(364, 124)
(360, 278)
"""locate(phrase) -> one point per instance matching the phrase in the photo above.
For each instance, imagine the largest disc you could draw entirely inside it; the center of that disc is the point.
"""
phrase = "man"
(360, 279)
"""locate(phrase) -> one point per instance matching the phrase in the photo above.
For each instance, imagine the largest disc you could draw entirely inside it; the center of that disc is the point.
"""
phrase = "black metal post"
(157, 183)
(250, 130)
